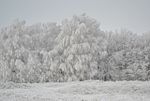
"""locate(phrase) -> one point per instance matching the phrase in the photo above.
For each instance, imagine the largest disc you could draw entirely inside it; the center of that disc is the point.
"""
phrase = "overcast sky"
(133, 15)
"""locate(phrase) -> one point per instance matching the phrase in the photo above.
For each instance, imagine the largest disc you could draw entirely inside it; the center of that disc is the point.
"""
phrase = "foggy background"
(112, 14)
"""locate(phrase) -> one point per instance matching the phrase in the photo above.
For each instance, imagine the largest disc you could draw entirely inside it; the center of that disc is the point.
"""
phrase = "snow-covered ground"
(76, 91)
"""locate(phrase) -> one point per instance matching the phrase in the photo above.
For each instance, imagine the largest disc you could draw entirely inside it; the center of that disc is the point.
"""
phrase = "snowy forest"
(75, 50)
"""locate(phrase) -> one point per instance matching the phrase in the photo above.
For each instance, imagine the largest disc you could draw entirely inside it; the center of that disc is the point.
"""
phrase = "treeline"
(76, 49)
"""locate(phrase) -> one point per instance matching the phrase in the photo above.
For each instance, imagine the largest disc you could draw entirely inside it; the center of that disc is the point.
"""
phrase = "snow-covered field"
(76, 91)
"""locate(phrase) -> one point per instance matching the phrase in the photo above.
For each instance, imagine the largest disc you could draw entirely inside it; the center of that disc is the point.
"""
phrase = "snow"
(76, 91)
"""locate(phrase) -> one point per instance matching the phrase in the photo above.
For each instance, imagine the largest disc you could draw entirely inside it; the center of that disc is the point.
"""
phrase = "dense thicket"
(77, 49)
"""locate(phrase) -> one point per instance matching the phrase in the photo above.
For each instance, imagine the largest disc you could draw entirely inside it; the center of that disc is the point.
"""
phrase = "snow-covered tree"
(80, 44)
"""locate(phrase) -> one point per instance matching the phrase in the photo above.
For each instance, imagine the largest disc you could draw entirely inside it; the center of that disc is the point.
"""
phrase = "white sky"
(133, 15)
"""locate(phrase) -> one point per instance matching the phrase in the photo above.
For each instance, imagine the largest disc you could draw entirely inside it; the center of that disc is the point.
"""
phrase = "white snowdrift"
(76, 91)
